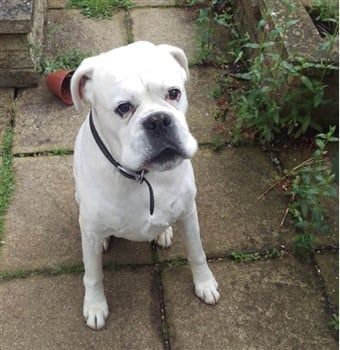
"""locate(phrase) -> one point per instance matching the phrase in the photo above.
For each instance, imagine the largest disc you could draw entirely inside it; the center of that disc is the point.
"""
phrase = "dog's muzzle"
(161, 133)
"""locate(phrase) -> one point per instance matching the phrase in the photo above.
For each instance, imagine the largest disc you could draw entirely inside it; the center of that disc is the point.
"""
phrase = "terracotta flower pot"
(59, 82)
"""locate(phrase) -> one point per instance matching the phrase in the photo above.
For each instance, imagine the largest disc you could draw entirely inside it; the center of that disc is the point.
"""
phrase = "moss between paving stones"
(6, 178)
(6, 101)
(274, 304)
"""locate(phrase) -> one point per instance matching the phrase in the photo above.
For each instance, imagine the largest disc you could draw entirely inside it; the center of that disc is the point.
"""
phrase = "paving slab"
(56, 4)
(329, 268)
(231, 217)
(202, 106)
(68, 30)
(46, 313)
(264, 305)
(43, 122)
(41, 224)
(154, 3)
(6, 103)
(173, 26)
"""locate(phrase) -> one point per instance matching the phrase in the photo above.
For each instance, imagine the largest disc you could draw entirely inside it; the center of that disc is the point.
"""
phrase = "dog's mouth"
(166, 155)
(166, 159)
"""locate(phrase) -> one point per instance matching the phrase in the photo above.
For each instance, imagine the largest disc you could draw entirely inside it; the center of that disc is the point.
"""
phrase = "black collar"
(130, 174)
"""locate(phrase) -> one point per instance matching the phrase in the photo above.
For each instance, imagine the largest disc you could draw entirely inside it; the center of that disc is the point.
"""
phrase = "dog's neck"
(113, 145)
(130, 174)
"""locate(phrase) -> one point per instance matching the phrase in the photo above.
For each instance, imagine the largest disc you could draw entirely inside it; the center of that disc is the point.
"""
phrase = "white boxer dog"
(132, 165)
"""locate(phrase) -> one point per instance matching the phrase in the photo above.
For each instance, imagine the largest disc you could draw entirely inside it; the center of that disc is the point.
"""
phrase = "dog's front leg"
(95, 306)
(204, 280)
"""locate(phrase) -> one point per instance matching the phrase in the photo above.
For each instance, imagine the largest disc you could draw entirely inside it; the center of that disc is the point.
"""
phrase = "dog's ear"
(81, 82)
(179, 55)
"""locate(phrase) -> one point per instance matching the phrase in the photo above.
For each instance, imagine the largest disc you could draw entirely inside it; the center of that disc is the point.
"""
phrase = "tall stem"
(333, 37)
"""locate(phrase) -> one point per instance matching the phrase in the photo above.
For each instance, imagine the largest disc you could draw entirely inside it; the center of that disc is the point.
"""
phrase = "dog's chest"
(134, 222)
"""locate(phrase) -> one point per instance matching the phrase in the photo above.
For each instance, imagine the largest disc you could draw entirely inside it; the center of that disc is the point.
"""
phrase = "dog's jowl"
(132, 166)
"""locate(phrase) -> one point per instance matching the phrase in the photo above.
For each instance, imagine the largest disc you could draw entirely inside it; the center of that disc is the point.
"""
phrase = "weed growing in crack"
(69, 60)
(272, 253)
(217, 143)
(334, 322)
(211, 15)
(6, 178)
(245, 257)
(310, 184)
(8, 275)
(303, 245)
(100, 8)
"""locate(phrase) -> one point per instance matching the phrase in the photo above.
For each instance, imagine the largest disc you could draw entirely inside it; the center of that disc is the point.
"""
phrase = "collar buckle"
(134, 175)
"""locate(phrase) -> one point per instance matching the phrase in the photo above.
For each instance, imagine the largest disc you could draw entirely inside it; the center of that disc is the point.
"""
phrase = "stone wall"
(21, 35)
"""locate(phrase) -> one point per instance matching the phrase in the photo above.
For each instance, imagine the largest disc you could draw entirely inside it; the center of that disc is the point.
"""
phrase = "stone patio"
(270, 303)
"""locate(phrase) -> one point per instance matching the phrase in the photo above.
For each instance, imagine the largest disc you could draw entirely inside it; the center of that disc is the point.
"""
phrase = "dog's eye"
(174, 94)
(124, 108)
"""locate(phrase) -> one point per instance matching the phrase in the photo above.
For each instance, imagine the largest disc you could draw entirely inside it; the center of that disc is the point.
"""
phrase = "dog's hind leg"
(164, 240)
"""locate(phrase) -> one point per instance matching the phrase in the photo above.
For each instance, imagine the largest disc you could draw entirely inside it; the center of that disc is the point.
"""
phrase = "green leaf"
(239, 56)
(305, 123)
(252, 45)
(289, 67)
(292, 22)
(307, 82)
(320, 143)
(245, 76)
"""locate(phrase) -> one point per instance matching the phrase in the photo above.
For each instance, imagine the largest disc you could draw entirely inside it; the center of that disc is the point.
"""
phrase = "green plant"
(334, 322)
(245, 257)
(303, 245)
(280, 97)
(328, 10)
(100, 8)
(211, 13)
(217, 143)
(69, 60)
(310, 184)
(6, 177)
(60, 152)
(273, 254)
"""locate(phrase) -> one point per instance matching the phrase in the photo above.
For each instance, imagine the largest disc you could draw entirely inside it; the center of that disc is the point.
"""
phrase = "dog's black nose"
(157, 123)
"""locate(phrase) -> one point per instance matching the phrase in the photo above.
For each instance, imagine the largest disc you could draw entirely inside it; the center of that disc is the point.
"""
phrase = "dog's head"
(139, 102)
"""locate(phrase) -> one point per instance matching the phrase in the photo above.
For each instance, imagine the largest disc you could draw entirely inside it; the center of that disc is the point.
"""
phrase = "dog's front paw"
(164, 240)
(95, 313)
(207, 291)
